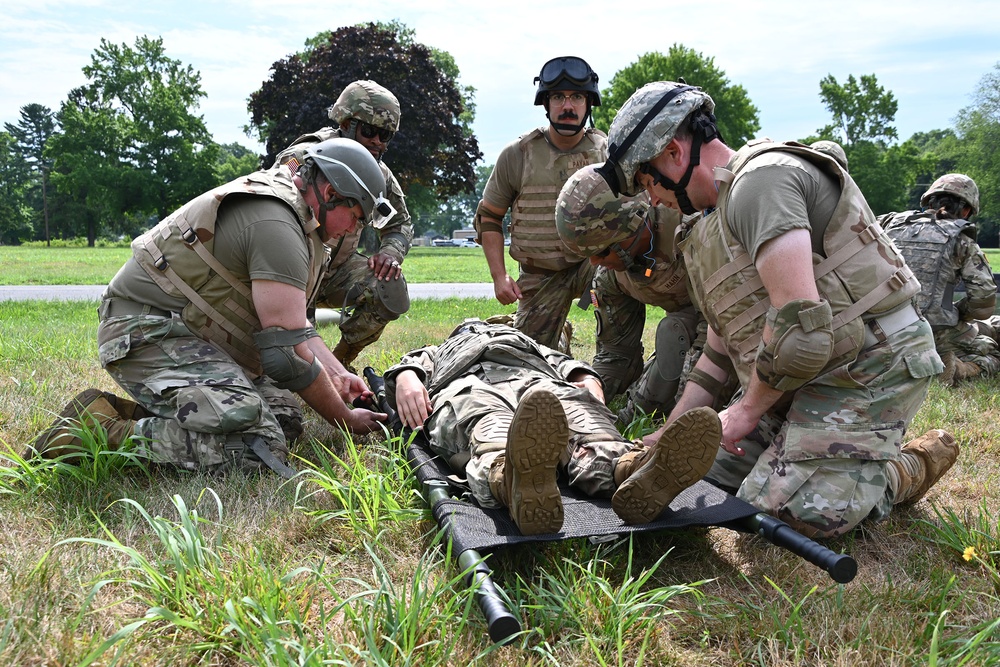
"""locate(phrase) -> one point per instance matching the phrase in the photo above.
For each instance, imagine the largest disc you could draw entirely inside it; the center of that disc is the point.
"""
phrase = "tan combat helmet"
(590, 219)
(833, 149)
(368, 102)
(957, 185)
(646, 124)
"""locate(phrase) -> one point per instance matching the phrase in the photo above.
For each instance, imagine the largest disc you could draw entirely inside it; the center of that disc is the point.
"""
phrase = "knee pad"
(674, 336)
(393, 296)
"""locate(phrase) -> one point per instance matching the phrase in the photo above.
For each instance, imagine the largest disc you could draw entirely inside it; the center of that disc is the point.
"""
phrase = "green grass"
(114, 563)
(97, 266)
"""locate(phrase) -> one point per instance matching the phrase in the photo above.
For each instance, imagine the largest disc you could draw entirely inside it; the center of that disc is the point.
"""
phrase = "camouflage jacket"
(499, 352)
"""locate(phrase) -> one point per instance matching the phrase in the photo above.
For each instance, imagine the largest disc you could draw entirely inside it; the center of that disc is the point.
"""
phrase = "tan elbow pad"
(801, 344)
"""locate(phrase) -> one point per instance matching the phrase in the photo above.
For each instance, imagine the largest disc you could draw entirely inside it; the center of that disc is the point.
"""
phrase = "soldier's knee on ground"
(217, 409)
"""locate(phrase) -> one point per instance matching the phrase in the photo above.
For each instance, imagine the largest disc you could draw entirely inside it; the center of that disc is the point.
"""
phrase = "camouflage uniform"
(819, 457)
(475, 380)
(550, 277)
(349, 284)
(941, 252)
(196, 369)
(620, 304)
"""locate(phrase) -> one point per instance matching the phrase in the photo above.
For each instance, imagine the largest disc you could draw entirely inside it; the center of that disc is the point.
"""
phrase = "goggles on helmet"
(570, 68)
(381, 205)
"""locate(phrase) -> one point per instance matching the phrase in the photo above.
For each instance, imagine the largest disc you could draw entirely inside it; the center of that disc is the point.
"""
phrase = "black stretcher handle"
(841, 567)
(502, 624)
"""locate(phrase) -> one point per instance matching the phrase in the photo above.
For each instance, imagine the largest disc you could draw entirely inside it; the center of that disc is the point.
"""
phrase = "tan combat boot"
(649, 479)
(116, 415)
(947, 376)
(966, 370)
(525, 477)
(921, 464)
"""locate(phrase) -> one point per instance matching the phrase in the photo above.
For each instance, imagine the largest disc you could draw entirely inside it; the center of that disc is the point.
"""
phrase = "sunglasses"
(369, 131)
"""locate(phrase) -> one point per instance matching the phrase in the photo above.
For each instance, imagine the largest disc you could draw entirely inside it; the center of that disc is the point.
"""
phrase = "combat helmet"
(646, 124)
(959, 186)
(590, 219)
(567, 73)
(353, 173)
(368, 102)
(833, 149)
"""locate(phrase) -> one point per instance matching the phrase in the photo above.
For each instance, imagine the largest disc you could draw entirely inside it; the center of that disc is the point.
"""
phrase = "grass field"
(112, 562)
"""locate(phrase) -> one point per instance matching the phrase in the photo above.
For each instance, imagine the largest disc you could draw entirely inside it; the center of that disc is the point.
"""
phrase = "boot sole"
(683, 455)
(537, 438)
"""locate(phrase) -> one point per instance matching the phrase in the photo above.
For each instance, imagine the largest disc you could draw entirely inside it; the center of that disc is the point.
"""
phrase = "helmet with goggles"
(567, 73)
(590, 218)
(353, 173)
(646, 124)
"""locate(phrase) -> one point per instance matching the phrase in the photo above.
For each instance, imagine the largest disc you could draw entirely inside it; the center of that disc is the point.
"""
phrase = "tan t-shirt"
(256, 238)
(776, 193)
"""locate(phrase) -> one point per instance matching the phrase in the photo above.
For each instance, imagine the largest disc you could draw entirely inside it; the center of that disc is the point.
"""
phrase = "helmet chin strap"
(680, 188)
(567, 127)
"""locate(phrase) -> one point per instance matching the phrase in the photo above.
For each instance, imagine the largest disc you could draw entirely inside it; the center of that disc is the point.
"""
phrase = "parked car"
(467, 243)
(442, 243)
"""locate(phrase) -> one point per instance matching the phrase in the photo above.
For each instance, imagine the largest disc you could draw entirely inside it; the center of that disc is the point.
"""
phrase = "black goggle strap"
(567, 67)
(609, 168)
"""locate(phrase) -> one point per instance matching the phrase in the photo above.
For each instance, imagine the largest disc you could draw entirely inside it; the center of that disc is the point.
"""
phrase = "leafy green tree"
(944, 149)
(738, 118)
(30, 135)
(979, 127)
(130, 144)
(15, 215)
(235, 161)
(434, 146)
(863, 116)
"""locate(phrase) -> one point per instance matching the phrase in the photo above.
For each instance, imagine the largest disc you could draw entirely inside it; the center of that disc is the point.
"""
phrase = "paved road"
(93, 292)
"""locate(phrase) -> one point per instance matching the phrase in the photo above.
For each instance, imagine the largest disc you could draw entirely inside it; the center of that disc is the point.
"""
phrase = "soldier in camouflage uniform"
(808, 303)
(526, 179)
(939, 244)
(205, 326)
(632, 244)
(509, 413)
(371, 290)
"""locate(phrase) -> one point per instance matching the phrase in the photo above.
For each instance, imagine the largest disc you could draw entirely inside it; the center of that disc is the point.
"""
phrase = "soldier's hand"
(350, 387)
(506, 290)
(365, 421)
(413, 404)
(385, 266)
(737, 423)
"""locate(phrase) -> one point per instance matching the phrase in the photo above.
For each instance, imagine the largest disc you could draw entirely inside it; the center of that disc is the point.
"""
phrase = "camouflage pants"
(468, 427)
(968, 345)
(546, 299)
(372, 303)
(203, 402)
(621, 317)
(821, 468)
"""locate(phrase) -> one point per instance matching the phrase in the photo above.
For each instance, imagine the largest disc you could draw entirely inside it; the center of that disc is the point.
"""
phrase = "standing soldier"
(372, 289)
(526, 179)
(809, 304)
(939, 244)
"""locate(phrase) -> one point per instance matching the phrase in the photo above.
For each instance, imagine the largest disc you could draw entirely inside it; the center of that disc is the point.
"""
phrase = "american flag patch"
(293, 166)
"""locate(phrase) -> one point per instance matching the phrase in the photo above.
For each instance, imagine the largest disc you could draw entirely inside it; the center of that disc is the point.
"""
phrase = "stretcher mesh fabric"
(473, 527)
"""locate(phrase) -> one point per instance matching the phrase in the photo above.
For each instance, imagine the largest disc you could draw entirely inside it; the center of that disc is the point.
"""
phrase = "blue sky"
(931, 55)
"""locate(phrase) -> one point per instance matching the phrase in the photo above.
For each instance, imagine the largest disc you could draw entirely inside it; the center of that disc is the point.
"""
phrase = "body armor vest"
(928, 244)
(666, 285)
(177, 255)
(534, 240)
(861, 274)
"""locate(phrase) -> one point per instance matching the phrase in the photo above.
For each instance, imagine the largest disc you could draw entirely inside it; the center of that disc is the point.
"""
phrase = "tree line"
(128, 147)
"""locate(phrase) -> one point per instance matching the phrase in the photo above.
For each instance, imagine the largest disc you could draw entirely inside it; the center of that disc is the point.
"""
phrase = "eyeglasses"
(568, 67)
(369, 131)
(559, 98)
